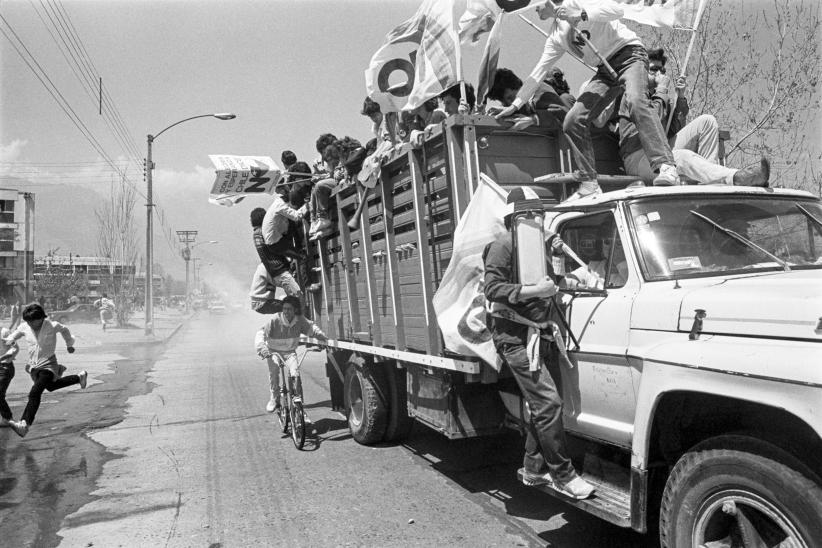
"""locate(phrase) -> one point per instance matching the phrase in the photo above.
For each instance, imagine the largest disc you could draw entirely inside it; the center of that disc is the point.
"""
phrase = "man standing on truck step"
(546, 460)
(578, 28)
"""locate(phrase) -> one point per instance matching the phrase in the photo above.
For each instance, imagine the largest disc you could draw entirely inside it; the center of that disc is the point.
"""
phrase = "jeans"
(44, 380)
(293, 366)
(320, 198)
(700, 136)
(690, 166)
(545, 437)
(631, 65)
(6, 375)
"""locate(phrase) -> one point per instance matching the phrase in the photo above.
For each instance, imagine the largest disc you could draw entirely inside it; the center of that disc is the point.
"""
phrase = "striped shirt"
(281, 336)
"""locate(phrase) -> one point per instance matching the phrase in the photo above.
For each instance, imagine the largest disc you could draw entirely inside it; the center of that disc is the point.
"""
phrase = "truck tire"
(738, 488)
(399, 423)
(365, 406)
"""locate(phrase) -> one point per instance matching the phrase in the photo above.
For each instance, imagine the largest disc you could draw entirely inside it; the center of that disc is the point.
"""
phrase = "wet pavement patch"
(53, 471)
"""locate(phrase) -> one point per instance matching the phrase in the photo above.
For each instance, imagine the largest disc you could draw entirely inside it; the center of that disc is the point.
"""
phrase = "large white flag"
(389, 77)
(674, 14)
(460, 302)
(241, 176)
(436, 59)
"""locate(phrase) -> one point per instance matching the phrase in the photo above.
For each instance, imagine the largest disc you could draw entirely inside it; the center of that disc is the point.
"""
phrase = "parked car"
(77, 313)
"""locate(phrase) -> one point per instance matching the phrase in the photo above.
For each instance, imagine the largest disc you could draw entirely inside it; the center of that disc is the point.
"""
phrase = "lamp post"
(149, 167)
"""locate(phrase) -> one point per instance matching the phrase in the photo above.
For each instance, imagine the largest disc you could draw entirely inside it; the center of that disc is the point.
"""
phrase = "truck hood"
(781, 304)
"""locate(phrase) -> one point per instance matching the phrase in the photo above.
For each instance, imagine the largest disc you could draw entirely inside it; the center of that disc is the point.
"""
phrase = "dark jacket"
(500, 287)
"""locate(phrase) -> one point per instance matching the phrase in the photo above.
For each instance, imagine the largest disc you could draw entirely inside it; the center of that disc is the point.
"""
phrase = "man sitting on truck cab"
(546, 460)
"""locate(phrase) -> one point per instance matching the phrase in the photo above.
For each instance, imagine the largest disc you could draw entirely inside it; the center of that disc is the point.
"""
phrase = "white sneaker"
(271, 405)
(577, 488)
(532, 480)
(668, 176)
(20, 428)
(83, 379)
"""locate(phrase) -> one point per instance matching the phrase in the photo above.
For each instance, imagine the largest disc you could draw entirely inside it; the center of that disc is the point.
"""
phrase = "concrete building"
(16, 245)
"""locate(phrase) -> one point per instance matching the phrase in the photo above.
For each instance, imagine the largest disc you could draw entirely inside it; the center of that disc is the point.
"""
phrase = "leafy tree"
(62, 283)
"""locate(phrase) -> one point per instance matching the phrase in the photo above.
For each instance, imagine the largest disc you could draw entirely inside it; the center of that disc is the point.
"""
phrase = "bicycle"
(290, 412)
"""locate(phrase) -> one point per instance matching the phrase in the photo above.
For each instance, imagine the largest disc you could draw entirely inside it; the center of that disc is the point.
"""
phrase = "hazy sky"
(290, 70)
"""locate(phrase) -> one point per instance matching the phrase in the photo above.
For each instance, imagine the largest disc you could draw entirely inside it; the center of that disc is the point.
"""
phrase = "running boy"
(41, 336)
(6, 374)
(281, 335)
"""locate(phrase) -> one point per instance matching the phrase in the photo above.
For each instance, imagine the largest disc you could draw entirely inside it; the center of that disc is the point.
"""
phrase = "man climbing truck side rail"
(694, 403)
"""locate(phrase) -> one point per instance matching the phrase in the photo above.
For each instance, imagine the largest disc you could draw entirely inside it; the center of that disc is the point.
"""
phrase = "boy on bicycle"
(281, 336)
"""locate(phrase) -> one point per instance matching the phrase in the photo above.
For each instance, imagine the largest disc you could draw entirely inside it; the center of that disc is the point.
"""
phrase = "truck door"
(598, 393)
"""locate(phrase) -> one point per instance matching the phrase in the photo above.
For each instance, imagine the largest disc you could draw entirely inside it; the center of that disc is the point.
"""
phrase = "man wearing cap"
(546, 460)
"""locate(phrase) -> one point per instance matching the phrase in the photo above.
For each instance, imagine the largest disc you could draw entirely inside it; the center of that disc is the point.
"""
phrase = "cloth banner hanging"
(459, 303)
(241, 176)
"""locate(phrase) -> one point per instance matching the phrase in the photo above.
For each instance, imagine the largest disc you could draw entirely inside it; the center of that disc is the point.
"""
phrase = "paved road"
(196, 461)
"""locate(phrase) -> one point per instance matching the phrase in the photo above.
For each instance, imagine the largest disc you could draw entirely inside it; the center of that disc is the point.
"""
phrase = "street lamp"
(149, 221)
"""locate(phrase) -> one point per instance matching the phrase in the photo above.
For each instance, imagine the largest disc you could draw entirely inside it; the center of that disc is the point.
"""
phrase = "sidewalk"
(166, 324)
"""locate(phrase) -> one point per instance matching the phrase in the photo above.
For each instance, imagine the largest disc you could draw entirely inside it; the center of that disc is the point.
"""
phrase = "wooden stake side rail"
(452, 364)
(379, 290)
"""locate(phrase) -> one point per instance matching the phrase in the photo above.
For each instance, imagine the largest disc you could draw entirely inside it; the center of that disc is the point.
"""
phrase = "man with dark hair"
(451, 97)
(41, 336)
(281, 335)
(701, 135)
(626, 56)
(545, 112)
(288, 159)
(546, 460)
(322, 143)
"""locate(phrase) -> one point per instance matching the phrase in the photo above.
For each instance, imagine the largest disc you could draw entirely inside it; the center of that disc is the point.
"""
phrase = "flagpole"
(685, 62)
(463, 108)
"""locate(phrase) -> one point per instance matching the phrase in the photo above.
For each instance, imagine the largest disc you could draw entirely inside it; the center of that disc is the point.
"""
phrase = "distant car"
(217, 308)
(77, 313)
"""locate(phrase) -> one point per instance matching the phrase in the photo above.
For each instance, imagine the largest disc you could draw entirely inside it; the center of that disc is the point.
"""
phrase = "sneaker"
(586, 188)
(577, 488)
(83, 379)
(316, 286)
(532, 480)
(320, 224)
(667, 176)
(20, 428)
(754, 175)
(271, 405)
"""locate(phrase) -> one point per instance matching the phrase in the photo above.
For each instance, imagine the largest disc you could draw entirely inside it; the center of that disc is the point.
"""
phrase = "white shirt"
(603, 29)
(43, 345)
(275, 222)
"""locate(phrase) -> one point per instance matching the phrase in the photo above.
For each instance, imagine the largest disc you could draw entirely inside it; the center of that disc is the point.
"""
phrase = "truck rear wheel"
(399, 423)
(364, 404)
(745, 496)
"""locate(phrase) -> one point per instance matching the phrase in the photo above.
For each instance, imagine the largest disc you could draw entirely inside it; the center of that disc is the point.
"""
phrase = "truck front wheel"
(739, 491)
(365, 405)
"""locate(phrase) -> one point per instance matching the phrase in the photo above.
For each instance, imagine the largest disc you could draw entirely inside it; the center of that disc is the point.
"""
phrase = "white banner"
(241, 176)
(674, 14)
(460, 302)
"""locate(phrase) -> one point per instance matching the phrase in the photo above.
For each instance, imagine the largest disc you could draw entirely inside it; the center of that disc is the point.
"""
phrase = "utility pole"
(149, 241)
(187, 237)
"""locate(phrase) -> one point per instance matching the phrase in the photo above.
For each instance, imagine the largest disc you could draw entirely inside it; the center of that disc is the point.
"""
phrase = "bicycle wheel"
(282, 413)
(297, 424)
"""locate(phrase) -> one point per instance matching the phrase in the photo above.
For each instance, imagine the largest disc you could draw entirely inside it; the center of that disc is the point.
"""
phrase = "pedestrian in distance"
(47, 374)
(106, 307)
(281, 335)
(9, 351)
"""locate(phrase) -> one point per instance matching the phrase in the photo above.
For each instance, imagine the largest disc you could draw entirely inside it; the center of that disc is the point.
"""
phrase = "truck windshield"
(693, 236)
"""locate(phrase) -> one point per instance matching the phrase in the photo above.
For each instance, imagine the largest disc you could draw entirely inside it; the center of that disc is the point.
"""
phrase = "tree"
(117, 241)
(755, 65)
(61, 283)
